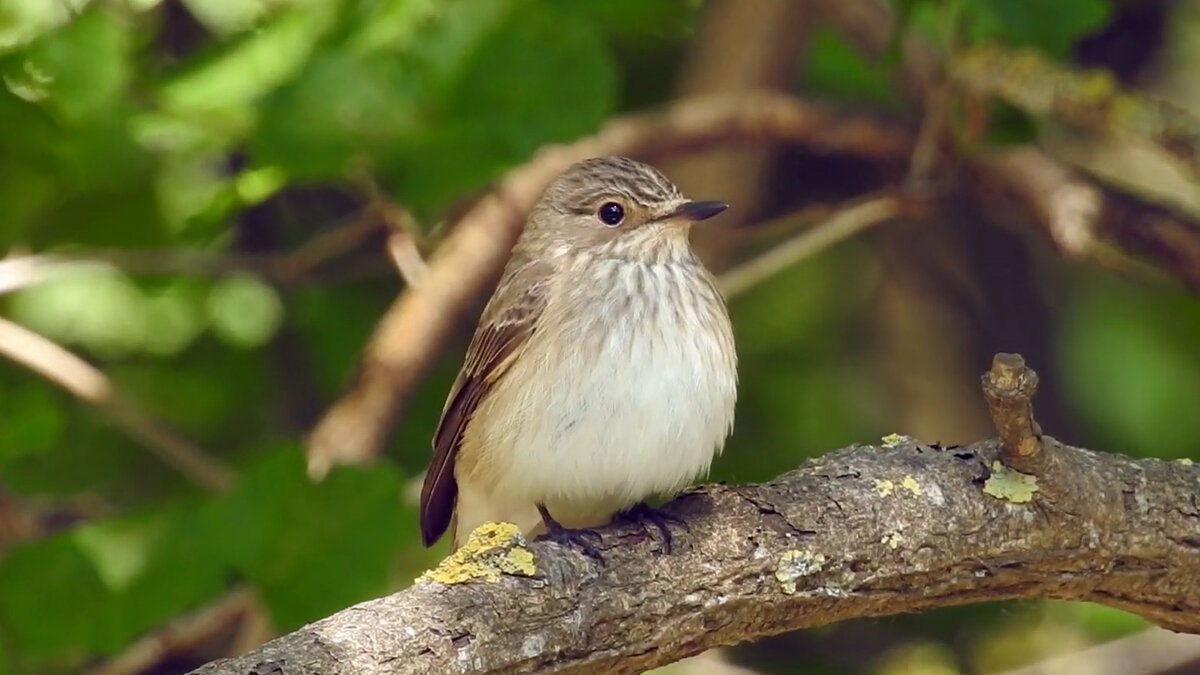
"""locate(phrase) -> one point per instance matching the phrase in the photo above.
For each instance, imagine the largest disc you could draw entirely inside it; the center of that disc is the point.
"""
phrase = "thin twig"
(402, 246)
(92, 386)
(17, 272)
(838, 227)
(331, 243)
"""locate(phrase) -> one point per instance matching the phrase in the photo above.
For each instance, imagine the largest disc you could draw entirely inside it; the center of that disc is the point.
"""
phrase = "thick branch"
(864, 531)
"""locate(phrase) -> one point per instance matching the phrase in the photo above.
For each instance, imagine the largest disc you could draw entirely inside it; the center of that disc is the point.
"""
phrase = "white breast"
(635, 398)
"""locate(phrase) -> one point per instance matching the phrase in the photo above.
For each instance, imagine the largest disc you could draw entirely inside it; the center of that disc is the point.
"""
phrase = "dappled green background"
(169, 142)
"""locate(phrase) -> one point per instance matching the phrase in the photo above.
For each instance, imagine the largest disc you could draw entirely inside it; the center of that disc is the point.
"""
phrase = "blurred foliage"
(204, 129)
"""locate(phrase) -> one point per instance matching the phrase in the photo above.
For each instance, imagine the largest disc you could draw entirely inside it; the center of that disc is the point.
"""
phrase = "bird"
(603, 370)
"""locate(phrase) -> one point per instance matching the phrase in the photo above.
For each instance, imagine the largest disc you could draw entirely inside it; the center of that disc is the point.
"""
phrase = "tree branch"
(285, 268)
(1091, 100)
(1113, 221)
(1024, 186)
(864, 531)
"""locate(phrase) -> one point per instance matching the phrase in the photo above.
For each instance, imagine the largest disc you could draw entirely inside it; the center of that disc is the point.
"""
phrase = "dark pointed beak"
(697, 210)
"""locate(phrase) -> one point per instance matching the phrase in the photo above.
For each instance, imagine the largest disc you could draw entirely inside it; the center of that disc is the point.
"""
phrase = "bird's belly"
(608, 419)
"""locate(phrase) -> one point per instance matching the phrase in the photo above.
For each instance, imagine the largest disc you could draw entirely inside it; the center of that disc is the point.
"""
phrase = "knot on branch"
(1009, 388)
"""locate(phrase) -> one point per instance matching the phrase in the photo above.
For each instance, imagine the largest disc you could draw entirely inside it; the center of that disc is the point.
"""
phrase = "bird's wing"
(503, 331)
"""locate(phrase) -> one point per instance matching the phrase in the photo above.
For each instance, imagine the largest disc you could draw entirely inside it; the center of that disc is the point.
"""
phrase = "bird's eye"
(611, 214)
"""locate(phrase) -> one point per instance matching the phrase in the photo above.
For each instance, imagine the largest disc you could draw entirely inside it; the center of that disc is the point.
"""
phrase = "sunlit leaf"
(219, 90)
(77, 70)
(244, 311)
(95, 306)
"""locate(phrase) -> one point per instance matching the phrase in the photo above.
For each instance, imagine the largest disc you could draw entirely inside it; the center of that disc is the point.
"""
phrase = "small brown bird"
(602, 371)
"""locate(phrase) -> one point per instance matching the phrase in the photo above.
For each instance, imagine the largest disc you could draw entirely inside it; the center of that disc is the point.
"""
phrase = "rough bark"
(863, 531)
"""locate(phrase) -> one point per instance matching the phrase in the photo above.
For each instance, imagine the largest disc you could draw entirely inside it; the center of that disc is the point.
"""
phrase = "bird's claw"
(646, 515)
(581, 539)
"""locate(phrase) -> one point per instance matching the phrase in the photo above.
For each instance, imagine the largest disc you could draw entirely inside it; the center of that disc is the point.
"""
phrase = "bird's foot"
(582, 539)
(646, 515)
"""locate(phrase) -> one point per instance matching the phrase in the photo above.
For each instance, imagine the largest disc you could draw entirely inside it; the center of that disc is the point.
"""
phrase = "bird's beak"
(693, 211)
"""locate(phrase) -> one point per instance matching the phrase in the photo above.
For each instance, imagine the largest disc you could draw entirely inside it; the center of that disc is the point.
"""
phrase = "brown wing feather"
(495, 345)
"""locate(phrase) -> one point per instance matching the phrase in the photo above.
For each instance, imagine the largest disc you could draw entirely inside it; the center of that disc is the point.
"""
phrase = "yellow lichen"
(892, 539)
(1009, 485)
(909, 483)
(893, 440)
(884, 487)
(1184, 461)
(492, 550)
(795, 564)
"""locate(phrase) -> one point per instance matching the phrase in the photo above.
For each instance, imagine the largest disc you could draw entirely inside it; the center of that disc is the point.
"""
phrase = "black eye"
(611, 214)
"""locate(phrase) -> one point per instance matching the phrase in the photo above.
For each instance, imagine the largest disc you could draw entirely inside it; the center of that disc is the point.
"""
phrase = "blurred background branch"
(91, 386)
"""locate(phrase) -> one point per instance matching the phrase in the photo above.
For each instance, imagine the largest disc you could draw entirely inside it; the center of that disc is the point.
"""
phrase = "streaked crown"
(599, 178)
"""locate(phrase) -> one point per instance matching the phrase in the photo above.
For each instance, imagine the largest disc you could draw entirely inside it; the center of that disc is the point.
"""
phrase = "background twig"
(840, 226)
(80, 378)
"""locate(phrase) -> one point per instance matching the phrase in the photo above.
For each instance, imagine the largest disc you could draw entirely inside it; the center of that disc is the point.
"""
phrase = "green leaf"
(314, 549)
(180, 568)
(27, 181)
(244, 311)
(1034, 23)
(219, 91)
(93, 305)
(93, 589)
(63, 129)
(1101, 622)
(77, 71)
(835, 68)
(118, 549)
(24, 21)
(313, 135)
(508, 100)
(477, 89)
(1132, 370)
(51, 598)
(32, 420)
